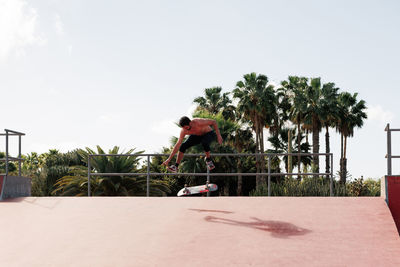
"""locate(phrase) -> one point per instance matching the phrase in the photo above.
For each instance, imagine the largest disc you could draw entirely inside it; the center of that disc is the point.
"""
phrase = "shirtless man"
(199, 131)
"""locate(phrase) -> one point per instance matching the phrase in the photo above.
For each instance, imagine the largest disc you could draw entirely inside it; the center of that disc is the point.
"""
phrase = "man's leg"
(179, 157)
(206, 141)
(191, 141)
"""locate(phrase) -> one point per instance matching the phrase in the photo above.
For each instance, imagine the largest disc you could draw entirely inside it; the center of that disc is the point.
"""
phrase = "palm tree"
(56, 165)
(296, 87)
(257, 105)
(351, 116)
(281, 143)
(313, 113)
(241, 140)
(329, 115)
(213, 101)
(75, 183)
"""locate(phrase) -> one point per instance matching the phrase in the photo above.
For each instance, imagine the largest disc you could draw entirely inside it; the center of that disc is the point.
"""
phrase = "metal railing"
(389, 155)
(7, 158)
(208, 174)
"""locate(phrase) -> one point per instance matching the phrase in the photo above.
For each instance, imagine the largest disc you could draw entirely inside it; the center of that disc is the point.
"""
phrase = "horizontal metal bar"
(12, 159)
(393, 157)
(204, 174)
(393, 130)
(10, 134)
(215, 154)
(12, 131)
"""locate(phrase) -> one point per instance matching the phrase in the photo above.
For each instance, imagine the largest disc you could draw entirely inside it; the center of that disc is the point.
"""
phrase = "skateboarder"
(199, 131)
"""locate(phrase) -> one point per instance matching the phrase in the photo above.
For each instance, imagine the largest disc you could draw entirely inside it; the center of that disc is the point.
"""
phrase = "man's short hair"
(184, 121)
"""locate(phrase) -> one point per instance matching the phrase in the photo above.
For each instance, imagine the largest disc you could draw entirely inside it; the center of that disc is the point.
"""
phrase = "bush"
(319, 186)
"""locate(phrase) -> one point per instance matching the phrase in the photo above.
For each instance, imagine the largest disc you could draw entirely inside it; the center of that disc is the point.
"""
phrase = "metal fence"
(208, 174)
(7, 158)
(389, 155)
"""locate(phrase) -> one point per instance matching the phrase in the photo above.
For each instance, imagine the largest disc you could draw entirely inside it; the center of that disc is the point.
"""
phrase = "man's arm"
(176, 148)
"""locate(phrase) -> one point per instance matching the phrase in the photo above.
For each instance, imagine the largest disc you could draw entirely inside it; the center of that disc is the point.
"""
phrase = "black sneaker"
(210, 165)
(172, 168)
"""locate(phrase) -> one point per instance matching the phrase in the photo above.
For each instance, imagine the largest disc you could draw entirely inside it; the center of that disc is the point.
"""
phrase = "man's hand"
(219, 139)
(166, 163)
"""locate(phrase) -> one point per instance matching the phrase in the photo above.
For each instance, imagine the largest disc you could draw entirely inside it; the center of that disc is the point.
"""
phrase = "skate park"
(164, 231)
(208, 133)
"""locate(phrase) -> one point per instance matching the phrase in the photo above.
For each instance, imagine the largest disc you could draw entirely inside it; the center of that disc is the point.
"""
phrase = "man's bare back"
(198, 127)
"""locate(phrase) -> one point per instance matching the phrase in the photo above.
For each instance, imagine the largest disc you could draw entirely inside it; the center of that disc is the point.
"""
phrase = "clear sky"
(77, 74)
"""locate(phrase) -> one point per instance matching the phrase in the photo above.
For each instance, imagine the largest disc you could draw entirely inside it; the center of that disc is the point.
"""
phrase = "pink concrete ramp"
(216, 231)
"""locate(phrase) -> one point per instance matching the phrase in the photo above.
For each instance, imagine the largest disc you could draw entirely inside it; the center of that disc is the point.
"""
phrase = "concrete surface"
(215, 231)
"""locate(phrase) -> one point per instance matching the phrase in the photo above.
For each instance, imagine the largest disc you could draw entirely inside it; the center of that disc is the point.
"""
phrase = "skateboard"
(186, 191)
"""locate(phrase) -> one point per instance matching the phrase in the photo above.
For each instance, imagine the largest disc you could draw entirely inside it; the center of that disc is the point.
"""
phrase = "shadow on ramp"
(277, 229)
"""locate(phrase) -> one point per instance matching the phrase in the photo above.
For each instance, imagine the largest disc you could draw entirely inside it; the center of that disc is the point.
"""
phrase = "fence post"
(6, 155)
(89, 175)
(19, 156)
(5, 177)
(148, 177)
(389, 150)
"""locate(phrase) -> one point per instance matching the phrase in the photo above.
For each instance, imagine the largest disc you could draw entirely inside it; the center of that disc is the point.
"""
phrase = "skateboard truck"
(186, 191)
(207, 187)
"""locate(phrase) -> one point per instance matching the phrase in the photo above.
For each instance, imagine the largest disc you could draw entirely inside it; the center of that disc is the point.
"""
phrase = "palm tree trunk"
(226, 186)
(344, 160)
(306, 133)
(341, 157)
(298, 149)
(344, 170)
(327, 150)
(315, 135)
(290, 162)
(257, 157)
(240, 179)
(261, 127)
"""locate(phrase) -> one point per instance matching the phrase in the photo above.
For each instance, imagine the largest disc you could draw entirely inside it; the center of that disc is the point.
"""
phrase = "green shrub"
(320, 186)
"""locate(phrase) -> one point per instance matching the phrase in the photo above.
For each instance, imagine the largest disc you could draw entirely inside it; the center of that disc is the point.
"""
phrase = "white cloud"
(18, 28)
(58, 25)
(377, 113)
(70, 50)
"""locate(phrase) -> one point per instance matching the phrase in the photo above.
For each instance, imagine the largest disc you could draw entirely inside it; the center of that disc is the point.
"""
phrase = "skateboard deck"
(191, 190)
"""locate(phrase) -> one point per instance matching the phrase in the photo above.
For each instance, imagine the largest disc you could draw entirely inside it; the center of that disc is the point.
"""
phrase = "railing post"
(89, 171)
(5, 177)
(389, 150)
(19, 156)
(269, 175)
(6, 154)
(148, 176)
